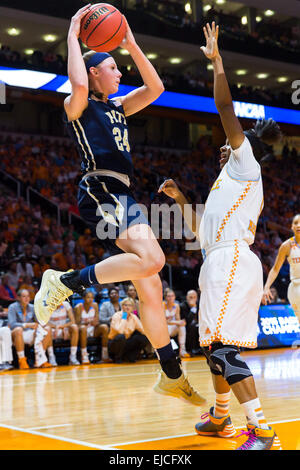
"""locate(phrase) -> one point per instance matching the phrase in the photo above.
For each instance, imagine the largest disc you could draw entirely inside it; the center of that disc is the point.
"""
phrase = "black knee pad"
(229, 363)
(207, 353)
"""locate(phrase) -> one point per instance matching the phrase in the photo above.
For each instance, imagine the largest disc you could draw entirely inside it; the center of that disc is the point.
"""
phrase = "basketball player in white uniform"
(290, 250)
(231, 279)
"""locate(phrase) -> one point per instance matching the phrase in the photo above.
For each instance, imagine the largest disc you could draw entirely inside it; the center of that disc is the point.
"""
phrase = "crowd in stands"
(184, 82)
(267, 30)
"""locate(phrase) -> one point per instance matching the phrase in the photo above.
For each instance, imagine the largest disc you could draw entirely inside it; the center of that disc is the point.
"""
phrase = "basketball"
(103, 28)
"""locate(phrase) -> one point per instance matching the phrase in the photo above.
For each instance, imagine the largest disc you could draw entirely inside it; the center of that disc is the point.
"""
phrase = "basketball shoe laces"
(55, 299)
(205, 415)
(251, 438)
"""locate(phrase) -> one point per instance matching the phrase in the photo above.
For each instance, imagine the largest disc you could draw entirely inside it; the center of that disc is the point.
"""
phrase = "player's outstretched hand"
(129, 41)
(170, 188)
(76, 20)
(211, 34)
(267, 296)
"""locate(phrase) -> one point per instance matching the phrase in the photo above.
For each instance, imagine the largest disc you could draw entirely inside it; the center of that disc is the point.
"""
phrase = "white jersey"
(294, 260)
(60, 315)
(235, 201)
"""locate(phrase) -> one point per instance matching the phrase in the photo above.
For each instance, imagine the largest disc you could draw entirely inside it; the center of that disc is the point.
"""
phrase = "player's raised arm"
(78, 100)
(192, 218)
(153, 86)
(222, 95)
(283, 253)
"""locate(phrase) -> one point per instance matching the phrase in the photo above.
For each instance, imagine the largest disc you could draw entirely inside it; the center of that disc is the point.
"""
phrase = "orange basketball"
(103, 28)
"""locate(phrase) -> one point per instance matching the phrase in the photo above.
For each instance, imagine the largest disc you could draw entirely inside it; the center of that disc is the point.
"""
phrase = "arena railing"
(6, 176)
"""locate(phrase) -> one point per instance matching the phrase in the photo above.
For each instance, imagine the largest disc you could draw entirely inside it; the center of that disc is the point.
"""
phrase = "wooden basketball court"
(114, 407)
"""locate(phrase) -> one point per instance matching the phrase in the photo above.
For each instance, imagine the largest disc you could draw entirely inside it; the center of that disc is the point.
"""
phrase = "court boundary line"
(50, 426)
(57, 438)
(191, 434)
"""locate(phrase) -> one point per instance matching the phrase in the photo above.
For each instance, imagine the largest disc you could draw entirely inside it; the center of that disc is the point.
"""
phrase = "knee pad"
(228, 362)
(213, 368)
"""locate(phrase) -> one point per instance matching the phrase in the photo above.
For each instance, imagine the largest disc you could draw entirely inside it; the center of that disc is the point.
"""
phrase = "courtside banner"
(277, 326)
(61, 84)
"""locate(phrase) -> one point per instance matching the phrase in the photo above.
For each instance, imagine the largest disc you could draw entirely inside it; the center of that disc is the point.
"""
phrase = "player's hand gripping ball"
(103, 28)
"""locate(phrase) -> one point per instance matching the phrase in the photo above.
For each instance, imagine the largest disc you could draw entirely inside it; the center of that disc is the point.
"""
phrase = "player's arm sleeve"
(242, 163)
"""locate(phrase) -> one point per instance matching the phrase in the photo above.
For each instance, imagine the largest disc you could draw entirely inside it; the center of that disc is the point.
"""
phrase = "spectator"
(176, 326)
(132, 293)
(7, 292)
(27, 285)
(189, 312)
(22, 322)
(126, 336)
(110, 307)
(6, 356)
(13, 278)
(275, 297)
(63, 326)
(87, 318)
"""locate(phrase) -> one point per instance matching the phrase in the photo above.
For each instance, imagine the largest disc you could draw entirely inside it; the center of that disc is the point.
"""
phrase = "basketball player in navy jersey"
(98, 126)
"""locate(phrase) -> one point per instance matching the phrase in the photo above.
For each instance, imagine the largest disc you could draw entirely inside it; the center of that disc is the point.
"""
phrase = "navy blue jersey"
(101, 135)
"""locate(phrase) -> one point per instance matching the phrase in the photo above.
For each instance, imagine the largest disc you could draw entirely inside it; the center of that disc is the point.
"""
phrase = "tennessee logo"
(216, 184)
(207, 331)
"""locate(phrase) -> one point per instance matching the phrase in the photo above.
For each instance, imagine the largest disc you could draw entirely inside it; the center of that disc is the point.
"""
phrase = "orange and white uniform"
(231, 277)
(87, 317)
(60, 317)
(294, 286)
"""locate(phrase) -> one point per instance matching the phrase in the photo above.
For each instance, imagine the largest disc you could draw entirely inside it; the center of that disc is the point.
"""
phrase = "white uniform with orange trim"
(294, 286)
(231, 277)
(87, 317)
(60, 317)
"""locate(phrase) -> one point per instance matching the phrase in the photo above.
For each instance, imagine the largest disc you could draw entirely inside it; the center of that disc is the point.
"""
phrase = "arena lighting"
(13, 31)
(123, 52)
(210, 67)
(269, 13)
(151, 55)
(244, 20)
(188, 8)
(50, 37)
(28, 51)
(206, 7)
(282, 79)
(220, 2)
(168, 99)
(241, 72)
(258, 19)
(175, 60)
(262, 76)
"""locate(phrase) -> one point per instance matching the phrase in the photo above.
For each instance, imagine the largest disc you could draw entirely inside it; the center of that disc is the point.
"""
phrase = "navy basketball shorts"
(108, 207)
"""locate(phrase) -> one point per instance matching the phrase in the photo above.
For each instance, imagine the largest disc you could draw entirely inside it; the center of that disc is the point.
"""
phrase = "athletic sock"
(104, 352)
(221, 407)
(169, 362)
(73, 351)
(84, 352)
(20, 354)
(50, 352)
(88, 276)
(254, 413)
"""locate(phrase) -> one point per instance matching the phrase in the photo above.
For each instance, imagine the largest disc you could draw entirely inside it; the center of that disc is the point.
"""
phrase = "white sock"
(20, 354)
(84, 352)
(104, 352)
(221, 407)
(50, 352)
(254, 413)
(73, 351)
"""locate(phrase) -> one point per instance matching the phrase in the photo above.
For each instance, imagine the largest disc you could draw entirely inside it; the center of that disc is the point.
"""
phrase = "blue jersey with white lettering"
(101, 135)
